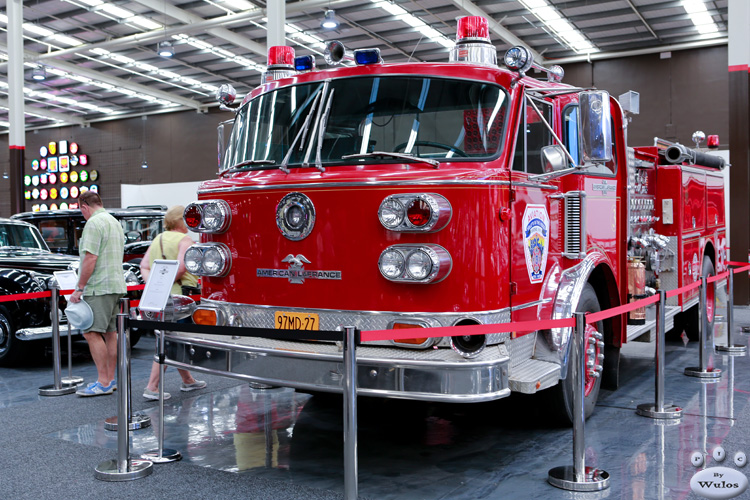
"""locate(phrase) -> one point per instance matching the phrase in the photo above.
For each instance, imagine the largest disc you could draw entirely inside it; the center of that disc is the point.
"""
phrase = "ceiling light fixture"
(39, 73)
(329, 21)
(165, 49)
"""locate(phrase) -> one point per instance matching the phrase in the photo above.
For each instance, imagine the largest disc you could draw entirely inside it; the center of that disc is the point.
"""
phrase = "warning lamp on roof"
(280, 63)
(712, 141)
(473, 43)
(367, 56)
(304, 63)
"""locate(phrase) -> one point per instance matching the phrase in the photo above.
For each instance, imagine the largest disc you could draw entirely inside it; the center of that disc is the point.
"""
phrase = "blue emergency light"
(367, 56)
(304, 63)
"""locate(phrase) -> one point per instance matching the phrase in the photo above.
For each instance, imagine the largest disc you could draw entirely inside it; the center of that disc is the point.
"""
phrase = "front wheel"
(563, 395)
(692, 316)
(12, 350)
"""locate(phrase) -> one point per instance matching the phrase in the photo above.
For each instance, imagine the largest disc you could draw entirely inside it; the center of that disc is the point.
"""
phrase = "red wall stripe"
(18, 147)
(739, 67)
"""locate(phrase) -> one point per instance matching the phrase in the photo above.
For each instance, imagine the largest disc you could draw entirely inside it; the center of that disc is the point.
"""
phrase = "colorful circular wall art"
(53, 193)
(43, 178)
(74, 191)
(53, 206)
(43, 207)
(94, 175)
(52, 148)
(35, 164)
(43, 151)
(64, 193)
(83, 160)
(64, 177)
(73, 161)
(43, 194)
(94, 188)
(35, 193)
(84, 189)
(73, 176)
(63, 206)
(43, 163)
(84, 176)
(27, 194)
(35, 180)
(52, 178)
(27, 180)
(73, 148)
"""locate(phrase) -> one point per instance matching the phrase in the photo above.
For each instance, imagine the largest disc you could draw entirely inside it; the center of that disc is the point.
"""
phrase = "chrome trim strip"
(416, 182)
(694, 170)
(530, 304)
(44, 332)
(482, 379)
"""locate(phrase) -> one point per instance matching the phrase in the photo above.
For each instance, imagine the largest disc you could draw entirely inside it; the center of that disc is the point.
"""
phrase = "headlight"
(131, 278)
(415, 212)
(427, 263)
(295, 216)
(208, 216)
(208, 259)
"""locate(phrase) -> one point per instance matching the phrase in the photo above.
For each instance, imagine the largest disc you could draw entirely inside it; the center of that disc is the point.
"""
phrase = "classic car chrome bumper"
(429, 375)
(44, 332)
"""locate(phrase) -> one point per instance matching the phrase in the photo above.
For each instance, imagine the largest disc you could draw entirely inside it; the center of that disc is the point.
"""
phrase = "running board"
(533, 375)
(647, 331)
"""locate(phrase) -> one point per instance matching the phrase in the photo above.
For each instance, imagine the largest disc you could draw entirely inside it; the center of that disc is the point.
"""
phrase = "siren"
(473, 43)
(336, 53)
(280, 63)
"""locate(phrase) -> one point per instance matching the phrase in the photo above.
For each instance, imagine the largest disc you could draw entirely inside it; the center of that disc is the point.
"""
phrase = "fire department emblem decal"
(296, 272)
(535, 227)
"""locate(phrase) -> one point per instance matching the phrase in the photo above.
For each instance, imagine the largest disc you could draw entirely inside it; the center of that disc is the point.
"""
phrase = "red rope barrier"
(446, 331)
(718, 277)
(686, 288)
(24, 296)
(625, 308)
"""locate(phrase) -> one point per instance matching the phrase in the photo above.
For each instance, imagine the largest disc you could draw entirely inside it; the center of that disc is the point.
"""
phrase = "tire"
(12, 350)
(135, 336)
(562, 394)
(692, 317)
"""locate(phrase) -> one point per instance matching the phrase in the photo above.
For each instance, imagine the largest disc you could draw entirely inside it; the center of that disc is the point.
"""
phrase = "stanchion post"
(160, 455)
(123, 468)
(659, 409)
(731, 348)
(702, 371)
(350, 413)
(138, 420)
(578, 477)
(57, 388)
(70, 379)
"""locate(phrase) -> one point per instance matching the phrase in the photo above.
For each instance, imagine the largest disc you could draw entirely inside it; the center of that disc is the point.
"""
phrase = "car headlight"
(208, 216)
(208, 259)
(131, 278)
(415, 212)
(428, 263)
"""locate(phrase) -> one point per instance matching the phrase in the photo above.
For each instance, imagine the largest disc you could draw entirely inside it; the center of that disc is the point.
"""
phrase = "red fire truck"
(419, 195)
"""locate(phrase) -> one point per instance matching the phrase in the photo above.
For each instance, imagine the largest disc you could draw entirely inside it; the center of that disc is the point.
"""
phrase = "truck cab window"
(536, 135)
(570, 132)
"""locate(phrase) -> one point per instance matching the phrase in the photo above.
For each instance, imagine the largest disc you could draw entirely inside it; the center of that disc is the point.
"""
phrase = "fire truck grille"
(575, 232)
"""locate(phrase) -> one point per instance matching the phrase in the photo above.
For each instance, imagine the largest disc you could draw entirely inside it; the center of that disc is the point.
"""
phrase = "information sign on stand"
(66, 280)
(159, 286)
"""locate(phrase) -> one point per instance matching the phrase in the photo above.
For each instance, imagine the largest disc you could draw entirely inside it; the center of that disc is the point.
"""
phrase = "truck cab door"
(531, 227)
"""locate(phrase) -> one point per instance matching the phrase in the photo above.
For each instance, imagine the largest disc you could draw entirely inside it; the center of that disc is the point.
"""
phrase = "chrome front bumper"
(429, 375)
(44, 332)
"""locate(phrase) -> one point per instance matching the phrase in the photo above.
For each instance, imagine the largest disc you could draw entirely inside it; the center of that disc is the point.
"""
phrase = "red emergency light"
(713, 141)
(472, 28)
(281, 56)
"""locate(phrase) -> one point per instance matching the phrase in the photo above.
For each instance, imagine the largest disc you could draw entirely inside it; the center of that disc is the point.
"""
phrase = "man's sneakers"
(197, 384)
(154, 395)
(96, 389)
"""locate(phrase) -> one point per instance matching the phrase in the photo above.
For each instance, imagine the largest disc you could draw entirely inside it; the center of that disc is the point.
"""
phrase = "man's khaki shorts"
(105, 309)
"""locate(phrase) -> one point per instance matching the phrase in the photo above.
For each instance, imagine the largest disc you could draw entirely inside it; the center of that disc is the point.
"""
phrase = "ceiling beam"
(473, 10)
(73, 120)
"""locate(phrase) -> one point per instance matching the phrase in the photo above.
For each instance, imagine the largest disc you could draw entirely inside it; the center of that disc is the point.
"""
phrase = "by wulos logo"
(535, 226)
(718, 483)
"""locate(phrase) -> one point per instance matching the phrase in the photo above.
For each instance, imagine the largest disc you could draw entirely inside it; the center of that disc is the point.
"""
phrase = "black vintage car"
(26, 266)
(61, 229)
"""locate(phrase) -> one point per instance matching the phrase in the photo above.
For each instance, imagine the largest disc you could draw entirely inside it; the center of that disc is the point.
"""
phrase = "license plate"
(284, 320)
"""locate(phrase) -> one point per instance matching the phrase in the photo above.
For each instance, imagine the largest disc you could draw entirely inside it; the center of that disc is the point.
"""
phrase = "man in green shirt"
(101, 285)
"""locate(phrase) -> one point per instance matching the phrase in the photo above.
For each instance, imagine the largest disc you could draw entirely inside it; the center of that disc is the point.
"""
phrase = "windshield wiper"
(322, 132)
(390, 154)
(247, 163)
(302, 133)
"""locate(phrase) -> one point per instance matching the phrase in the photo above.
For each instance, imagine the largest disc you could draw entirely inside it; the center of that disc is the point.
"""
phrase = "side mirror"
(553, 159)
(226, 94)
(595, 124)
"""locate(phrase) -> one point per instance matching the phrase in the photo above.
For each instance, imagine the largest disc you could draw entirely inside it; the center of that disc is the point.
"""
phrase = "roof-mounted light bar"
(473, 43)
(520, 59)
(280, 63)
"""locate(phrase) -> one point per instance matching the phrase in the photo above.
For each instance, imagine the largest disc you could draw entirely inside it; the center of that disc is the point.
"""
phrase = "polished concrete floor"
(410, 450)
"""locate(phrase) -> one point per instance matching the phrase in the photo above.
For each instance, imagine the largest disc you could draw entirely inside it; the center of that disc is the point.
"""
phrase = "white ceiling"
(115, 71)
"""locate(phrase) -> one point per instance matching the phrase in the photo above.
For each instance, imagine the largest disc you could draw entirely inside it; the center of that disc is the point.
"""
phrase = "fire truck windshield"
(424, 117)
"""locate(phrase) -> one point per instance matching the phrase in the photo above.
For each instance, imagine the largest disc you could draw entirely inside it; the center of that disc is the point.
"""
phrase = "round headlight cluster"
(295, 216)
(427, 263)
(208, 259)
(415, 212)
(209, 216)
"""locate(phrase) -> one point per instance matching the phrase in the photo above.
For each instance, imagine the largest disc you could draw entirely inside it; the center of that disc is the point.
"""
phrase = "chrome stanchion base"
(564, 477)
(667, 411)
(137, 421)
(732, 349)
(708, 373)
(258, 385)
(108, 471)
(72, 380)
(49, 390)
(167, 455)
